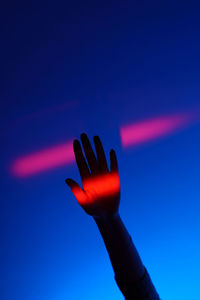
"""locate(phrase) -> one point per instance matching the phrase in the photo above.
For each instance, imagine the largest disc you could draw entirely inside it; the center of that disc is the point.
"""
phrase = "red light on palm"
(101, 188)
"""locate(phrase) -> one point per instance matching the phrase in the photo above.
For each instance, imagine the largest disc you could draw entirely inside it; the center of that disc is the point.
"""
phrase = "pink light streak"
(131, 135)
(43, 160)
(145, 131)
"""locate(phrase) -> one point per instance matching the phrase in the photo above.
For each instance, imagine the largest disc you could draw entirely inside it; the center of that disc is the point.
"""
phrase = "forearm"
(131, 276)
(122, 252)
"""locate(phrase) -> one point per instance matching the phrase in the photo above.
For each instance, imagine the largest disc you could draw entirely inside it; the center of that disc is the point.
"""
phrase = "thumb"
(70, 182)
(76, 189)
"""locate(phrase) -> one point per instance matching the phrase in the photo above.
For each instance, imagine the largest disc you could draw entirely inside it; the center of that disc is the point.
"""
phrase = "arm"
(131, 276)
(100, 197)
(123, 255)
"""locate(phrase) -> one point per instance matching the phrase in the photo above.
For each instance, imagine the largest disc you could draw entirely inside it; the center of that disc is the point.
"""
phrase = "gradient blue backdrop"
(94, 67)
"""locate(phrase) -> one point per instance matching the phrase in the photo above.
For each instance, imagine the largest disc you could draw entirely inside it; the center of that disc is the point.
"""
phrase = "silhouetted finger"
(76, 189)
(113, 162)
(101, 158)
(91, 158)
(80, 160)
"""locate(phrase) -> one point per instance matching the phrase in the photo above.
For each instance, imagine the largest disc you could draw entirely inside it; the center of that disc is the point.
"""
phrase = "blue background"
(94, 67)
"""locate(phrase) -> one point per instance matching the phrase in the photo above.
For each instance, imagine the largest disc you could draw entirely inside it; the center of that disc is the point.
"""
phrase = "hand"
(100, 195)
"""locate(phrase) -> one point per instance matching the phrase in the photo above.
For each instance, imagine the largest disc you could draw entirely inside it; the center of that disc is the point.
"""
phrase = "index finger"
(80, 160)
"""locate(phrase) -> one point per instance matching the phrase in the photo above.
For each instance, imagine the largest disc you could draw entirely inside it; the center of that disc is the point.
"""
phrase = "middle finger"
(92, 161)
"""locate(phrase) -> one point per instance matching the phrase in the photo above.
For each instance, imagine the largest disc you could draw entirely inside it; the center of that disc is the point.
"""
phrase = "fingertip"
(67, 181)
(75, 142)
(112, 151)
(96, 138)
(83, 135)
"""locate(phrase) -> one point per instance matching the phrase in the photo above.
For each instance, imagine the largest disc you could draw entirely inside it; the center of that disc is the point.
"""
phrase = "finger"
(101, 158)
(91, 158)
(71, 183)
(80, 160)
(113, 162)
(76, 190)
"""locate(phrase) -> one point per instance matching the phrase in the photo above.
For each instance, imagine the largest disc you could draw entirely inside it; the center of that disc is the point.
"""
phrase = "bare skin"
(100, 194)
(100, 197)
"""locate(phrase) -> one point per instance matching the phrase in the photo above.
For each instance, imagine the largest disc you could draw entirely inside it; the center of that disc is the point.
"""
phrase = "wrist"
(106, 218)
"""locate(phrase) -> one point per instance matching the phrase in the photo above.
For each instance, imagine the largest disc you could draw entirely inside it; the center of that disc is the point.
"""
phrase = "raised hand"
(100, 194)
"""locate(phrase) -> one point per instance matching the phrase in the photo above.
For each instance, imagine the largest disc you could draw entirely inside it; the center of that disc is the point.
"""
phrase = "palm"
(101, 188)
